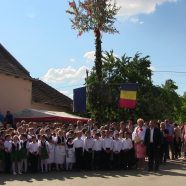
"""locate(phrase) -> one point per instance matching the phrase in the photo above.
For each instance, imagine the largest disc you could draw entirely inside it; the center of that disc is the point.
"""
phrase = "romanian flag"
(128, 95)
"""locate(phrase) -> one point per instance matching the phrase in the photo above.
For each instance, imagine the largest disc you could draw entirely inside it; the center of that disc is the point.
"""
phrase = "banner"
(79, 99)
(128, 95)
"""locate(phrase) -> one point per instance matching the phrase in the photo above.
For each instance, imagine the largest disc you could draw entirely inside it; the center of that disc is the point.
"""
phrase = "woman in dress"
(15, 155)
(138, 138)
(70, 158)
(60, 151)
(43, 153)
(51, 151)
(24, 152)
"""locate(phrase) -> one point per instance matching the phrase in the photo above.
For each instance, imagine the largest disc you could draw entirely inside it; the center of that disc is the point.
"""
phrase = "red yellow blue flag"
(128, 95)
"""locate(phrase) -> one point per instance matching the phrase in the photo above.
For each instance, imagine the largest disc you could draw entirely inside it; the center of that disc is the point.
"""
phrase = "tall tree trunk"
(98, 66)
(98, 55)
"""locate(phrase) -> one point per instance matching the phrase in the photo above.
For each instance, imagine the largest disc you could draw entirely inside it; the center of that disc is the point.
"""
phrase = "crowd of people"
(44, 147)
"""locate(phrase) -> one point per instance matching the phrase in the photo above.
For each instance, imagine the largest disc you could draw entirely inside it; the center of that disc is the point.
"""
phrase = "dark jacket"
(157, 138)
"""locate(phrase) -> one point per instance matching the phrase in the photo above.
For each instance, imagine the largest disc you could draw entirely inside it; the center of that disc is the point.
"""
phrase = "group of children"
(32, 147)
(44, 147)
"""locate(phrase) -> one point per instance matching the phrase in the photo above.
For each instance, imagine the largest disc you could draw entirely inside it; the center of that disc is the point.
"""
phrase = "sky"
(38, 34)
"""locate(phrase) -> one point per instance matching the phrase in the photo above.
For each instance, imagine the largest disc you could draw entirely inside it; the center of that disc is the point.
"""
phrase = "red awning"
(45, 115)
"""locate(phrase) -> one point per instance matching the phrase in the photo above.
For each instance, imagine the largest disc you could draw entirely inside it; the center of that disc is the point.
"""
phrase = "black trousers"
(127, 159)
(79, 158)
(164, 152)
(97, 160)
(33, 162)
(88, 159)
(177, 147)
(8, 164)
(153, 156)
(116, 160)
(107, 159)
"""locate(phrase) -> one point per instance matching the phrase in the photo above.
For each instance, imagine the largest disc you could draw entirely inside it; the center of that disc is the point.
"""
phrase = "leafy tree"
(97, 16)
(153, 102)
(181, 114)
(115, 72)
(172, 99)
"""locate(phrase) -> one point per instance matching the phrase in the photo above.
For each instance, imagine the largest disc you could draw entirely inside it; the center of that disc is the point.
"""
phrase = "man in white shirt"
(107, 150)
(97, 150)
(79, 150)
(127, 151)
(33, 154)
(8, 146)
(153, 141)
(117, 147)
(88, 153)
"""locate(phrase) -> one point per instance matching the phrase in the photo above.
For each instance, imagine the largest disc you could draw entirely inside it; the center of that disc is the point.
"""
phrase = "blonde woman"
(138, 137)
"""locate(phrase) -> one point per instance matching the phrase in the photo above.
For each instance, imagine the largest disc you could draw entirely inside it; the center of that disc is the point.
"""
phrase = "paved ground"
(173, 174)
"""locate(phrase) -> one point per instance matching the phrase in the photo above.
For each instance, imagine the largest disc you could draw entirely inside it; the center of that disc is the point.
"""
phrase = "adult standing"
(170, 137)
(184, 141)
(153, 141)
(1, 119)
(177, 141)
(138, 137)
(9, 119)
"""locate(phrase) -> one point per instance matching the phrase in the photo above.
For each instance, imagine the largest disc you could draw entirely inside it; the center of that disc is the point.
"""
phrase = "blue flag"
(79, 99)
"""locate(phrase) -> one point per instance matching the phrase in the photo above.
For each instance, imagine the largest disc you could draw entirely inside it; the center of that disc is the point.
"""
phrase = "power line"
(177, 72)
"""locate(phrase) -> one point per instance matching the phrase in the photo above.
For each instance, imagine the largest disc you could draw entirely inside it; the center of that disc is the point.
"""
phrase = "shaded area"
(173, 168)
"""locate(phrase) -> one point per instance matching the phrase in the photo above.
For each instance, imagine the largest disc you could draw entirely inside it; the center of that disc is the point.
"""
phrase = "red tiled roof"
(43, 93)
(9, 65)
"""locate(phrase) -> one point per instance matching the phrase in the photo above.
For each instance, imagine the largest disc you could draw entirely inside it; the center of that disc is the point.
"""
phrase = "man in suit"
(153, 143)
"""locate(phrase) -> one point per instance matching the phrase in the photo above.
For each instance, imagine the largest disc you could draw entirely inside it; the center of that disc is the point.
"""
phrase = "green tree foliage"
(97, 16)
(172, 99)
(181, 115)
(153, 102)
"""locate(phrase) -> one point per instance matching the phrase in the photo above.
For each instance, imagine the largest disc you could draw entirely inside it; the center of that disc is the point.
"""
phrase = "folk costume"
(44, 154)
(138, 137)
(24, 155)
(51, 154)
(60, 152)
(15, 157)
(70, 154)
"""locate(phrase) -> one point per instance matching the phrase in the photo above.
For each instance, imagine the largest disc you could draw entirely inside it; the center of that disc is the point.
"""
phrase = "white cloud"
(131, 8)
(67, 93)
(72, 60)
(136, 20)
(152, 68)
(90, 56)
(70, 74)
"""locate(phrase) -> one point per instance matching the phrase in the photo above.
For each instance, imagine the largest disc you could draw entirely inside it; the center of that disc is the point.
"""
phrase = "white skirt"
(70, 158)
(60, 154)
(51, 149)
